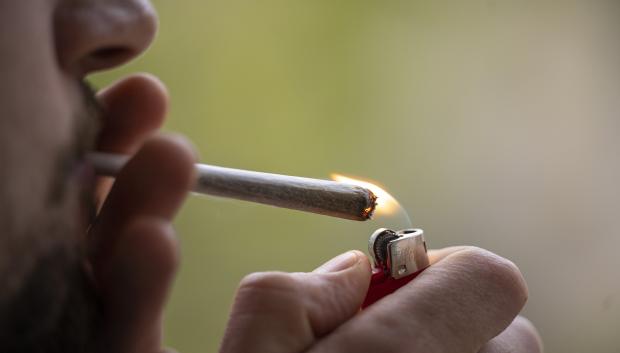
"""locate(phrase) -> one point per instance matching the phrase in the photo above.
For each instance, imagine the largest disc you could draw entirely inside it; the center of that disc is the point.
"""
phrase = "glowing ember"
(386, 203)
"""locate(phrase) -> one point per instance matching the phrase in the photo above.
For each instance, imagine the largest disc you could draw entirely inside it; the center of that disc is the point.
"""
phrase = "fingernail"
(340, 262)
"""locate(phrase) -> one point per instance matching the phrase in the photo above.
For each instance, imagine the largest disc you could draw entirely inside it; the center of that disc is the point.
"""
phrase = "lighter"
(398, 258)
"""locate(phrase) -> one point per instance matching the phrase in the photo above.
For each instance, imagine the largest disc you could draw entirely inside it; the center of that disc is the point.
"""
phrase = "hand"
(466, 301)
(135, 250)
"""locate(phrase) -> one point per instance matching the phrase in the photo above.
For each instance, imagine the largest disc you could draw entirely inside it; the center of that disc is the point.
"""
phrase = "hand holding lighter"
(398, 258)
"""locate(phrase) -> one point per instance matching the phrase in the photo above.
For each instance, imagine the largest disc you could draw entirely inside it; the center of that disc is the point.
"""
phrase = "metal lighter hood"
(399, 253)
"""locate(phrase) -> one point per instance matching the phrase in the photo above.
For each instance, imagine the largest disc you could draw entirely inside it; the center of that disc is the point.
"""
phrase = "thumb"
(285, 312)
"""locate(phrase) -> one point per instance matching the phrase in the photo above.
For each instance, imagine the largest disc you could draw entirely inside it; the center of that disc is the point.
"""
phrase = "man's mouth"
(74, 176)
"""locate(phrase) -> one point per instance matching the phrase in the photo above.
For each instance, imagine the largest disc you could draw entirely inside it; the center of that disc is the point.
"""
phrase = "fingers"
(134, 108)
(456, 305)
(279, 312)
(136, 284)
(520, 337)
(335, 291)
(153, 184)
(135, 253)
(436, 255)
(135, 248)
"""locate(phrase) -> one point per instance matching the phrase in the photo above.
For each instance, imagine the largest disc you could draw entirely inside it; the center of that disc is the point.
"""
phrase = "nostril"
(106, 57)
(112, 53)
(98, 35)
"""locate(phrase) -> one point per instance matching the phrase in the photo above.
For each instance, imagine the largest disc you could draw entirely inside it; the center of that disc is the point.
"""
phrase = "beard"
(48, 301)
(55, 307)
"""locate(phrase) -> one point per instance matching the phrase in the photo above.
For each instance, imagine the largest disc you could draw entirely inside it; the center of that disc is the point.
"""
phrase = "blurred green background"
(493, 122)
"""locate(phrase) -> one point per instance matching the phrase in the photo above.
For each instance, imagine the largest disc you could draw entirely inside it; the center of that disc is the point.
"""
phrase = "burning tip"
(370, 210)
(383, 203)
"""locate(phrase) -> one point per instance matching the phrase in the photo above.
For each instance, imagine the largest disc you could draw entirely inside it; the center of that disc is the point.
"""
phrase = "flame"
(386, 203)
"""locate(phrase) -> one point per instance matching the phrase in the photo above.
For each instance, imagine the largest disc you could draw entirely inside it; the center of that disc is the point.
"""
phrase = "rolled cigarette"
(325, 197)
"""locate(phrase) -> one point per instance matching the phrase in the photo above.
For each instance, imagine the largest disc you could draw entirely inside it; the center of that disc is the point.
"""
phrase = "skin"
(74, 283)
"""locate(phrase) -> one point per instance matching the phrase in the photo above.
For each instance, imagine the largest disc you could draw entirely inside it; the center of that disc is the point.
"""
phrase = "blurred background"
(494, 123)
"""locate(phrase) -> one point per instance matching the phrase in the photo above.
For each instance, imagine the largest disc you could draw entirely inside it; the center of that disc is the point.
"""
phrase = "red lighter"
(398, 258)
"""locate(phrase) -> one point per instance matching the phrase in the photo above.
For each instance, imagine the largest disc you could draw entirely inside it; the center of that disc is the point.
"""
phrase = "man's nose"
(93, 35)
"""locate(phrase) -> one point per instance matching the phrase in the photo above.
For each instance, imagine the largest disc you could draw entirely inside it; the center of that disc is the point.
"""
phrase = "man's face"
(48, 120)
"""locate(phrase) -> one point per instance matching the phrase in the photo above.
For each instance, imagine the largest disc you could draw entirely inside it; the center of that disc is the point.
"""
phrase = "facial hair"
(49, 302)
(56, 308)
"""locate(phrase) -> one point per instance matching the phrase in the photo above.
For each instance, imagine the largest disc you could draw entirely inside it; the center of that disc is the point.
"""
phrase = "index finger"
(134, 108)
(456, 305)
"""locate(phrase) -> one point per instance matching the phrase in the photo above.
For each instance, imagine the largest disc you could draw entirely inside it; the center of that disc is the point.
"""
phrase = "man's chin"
(54, 307)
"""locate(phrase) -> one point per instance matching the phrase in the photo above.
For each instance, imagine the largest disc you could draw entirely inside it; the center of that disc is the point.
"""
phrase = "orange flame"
(386, 203)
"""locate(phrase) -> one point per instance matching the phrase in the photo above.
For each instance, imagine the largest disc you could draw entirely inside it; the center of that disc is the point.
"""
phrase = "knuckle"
(268, 293)
(267, 283)
(497, 273)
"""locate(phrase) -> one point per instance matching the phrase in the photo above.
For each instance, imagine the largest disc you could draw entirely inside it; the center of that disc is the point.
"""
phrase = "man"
(72, 285)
